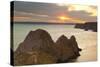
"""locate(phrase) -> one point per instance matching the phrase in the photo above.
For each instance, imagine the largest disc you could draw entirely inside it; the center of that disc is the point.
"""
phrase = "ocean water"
(87, 40)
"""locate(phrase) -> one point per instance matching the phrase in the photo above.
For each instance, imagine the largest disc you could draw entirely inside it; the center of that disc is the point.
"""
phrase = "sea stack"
(39, 48)
(64, 49)
(67, 48)
(38, 42)
(74, 45)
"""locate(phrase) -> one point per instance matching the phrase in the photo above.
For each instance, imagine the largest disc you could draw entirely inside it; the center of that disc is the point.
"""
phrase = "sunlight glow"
(64, 19)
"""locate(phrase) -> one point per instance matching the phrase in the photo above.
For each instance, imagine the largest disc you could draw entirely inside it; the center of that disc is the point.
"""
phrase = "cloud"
(89, 9)
(39, 8)
(82, 15)
(49, 12)
(21, 18)
(20, 13)
(82, 12)
(25, 16)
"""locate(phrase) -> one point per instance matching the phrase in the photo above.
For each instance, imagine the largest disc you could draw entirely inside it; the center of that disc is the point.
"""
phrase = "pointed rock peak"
(40, 30)
(37, 31)
(72, 37)
(63, 37)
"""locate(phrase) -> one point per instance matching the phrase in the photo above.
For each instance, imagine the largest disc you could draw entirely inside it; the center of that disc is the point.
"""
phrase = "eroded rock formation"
(39, 48)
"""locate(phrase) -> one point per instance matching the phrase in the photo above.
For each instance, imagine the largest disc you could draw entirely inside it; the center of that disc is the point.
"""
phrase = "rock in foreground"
(41, 43)
(67, 48)
(39, 48)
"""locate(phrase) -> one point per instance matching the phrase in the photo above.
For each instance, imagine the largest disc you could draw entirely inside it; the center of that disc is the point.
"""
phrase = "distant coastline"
(44, 23)
(88, 26)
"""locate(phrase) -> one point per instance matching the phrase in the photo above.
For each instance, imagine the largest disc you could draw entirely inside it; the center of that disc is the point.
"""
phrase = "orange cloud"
(67, 18)
(86, 8)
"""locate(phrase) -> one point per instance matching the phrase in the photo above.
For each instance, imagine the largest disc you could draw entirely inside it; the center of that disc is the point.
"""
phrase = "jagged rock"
(37, 40)
(65, 50)
(39, 48)
(74, 44)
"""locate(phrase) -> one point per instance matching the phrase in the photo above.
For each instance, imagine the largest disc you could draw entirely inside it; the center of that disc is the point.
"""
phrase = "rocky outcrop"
(67, 48)
(38, 40)
(87, 26)
(39, 48)
(74, 45)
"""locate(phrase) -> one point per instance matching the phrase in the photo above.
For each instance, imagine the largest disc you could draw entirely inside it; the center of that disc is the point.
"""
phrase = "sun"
(63, 18)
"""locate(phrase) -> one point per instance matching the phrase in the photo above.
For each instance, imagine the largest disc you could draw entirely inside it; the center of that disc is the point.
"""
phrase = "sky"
(53, 12)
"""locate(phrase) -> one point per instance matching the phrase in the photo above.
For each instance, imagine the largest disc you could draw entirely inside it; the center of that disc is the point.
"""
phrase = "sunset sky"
(53, 12)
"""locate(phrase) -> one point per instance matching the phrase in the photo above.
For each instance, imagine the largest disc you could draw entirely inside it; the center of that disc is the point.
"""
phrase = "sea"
(87, 40)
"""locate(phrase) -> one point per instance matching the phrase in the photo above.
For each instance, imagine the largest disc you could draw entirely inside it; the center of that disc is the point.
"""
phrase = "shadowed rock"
(74, 44)
(67, 48)
(65, 51)
(39, 48)
(38, 40)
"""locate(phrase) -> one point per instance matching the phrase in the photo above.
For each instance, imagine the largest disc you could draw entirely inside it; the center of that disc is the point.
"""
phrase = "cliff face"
(39, 48)
(88, 26)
